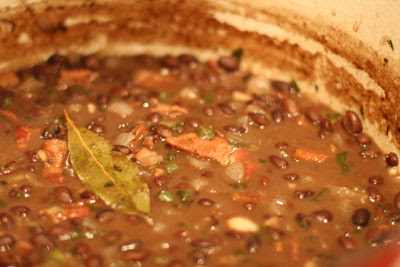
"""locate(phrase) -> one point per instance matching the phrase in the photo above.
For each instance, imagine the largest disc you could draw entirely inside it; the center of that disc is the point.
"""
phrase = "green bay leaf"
(112, 176)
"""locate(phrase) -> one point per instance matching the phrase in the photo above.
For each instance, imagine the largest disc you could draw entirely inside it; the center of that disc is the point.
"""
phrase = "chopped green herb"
(171, 156)
(207, 98)
(239, 186)
(341, 160)
(302, 223)
(161, 260)
(390, 44)
(319, 196)
(165, 196)
(185, 196)
(238, 53)
(118, 169)
(57, 256)
(334, 117)
(293, 83)
(171, 167)
(7, 101)
(262, 160)
(163, 96)
(205, 132)
(109, 184)
(364, 148)
(177, 125)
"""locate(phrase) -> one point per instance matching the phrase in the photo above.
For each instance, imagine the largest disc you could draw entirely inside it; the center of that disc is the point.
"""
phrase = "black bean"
(253, 244)
(229, 63)
(291, 177)
(206, 202)
(352, 123)
(325, 129)
(259, 119)
(277, 116)
(52, 131)
(82, 249)
(322, 216)
(193, 122)
(89, 196)
(136, 255)
(291, 107)
(347, 242)
(96, 128)
(202, 243)
(186, 59)
(281, 145)
(374, 195)
(32, 156)
(121, 92)
(6, 220)
(63, 194)
(392, 159)
(303, 193)
(209, 111)
(147, 60)
(249, 206)
(161, 180)
(131, 245)
(44, 103)
(154, 118)
(396, 201)
(6, 242)
(123, 149)
(161, 130)
(94, 261)
(235, 129)
(43, 241)
(105, 216)
(361, 217)
(375, 180)
(103, 100)
(21, 211)
(282, 86)
(170, 62)
(303, 220)
(269, 100)
(313, 114)
(10, 167)
(394, 218)
(279, 162)
(199, 257)
(26, 189)
(226, 109)
(363, 139)
(60, 232)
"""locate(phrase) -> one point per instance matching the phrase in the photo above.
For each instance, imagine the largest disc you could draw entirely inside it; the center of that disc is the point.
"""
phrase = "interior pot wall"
(280, 40)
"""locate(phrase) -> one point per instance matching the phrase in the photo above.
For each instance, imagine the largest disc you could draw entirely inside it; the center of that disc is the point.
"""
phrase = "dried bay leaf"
(111, 176)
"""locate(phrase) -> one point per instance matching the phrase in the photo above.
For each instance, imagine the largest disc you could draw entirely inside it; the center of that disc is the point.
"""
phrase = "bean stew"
(146, 161)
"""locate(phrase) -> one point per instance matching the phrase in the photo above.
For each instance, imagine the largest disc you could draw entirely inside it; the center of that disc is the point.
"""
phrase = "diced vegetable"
(77, 77)
(198, 163)
(171, 167)
(8, 114)
(56, 151)
(185, 196)
(23, 136)
(206, 132)
(242, 224)
(121, 108)
(207, 98)
(172, 111)
(236, 196)
(301, 154)
(235, 171)
(165, 196)
(8, 79)
(148, 157)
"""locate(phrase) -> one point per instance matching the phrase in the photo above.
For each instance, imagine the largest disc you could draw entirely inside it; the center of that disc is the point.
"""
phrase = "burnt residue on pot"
(33, 32)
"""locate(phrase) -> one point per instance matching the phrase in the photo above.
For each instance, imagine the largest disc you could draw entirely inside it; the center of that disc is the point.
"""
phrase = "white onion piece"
(124, 139)
(258, 85)
(199, 163)
(199, 183)
(24, 176)
(254, 109)
(235, 171)
(189, 93)
(120, 108)
(241, 97)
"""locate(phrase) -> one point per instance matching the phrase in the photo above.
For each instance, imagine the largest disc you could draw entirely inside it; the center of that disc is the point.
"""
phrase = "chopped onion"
(124, 139)
(121, 108)
(254, 109)
(24, 176)
(235, 171)
(258, 85)
(199, 163)
(199, 183)
(243, 120)
(189, 93)
(241, 97)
